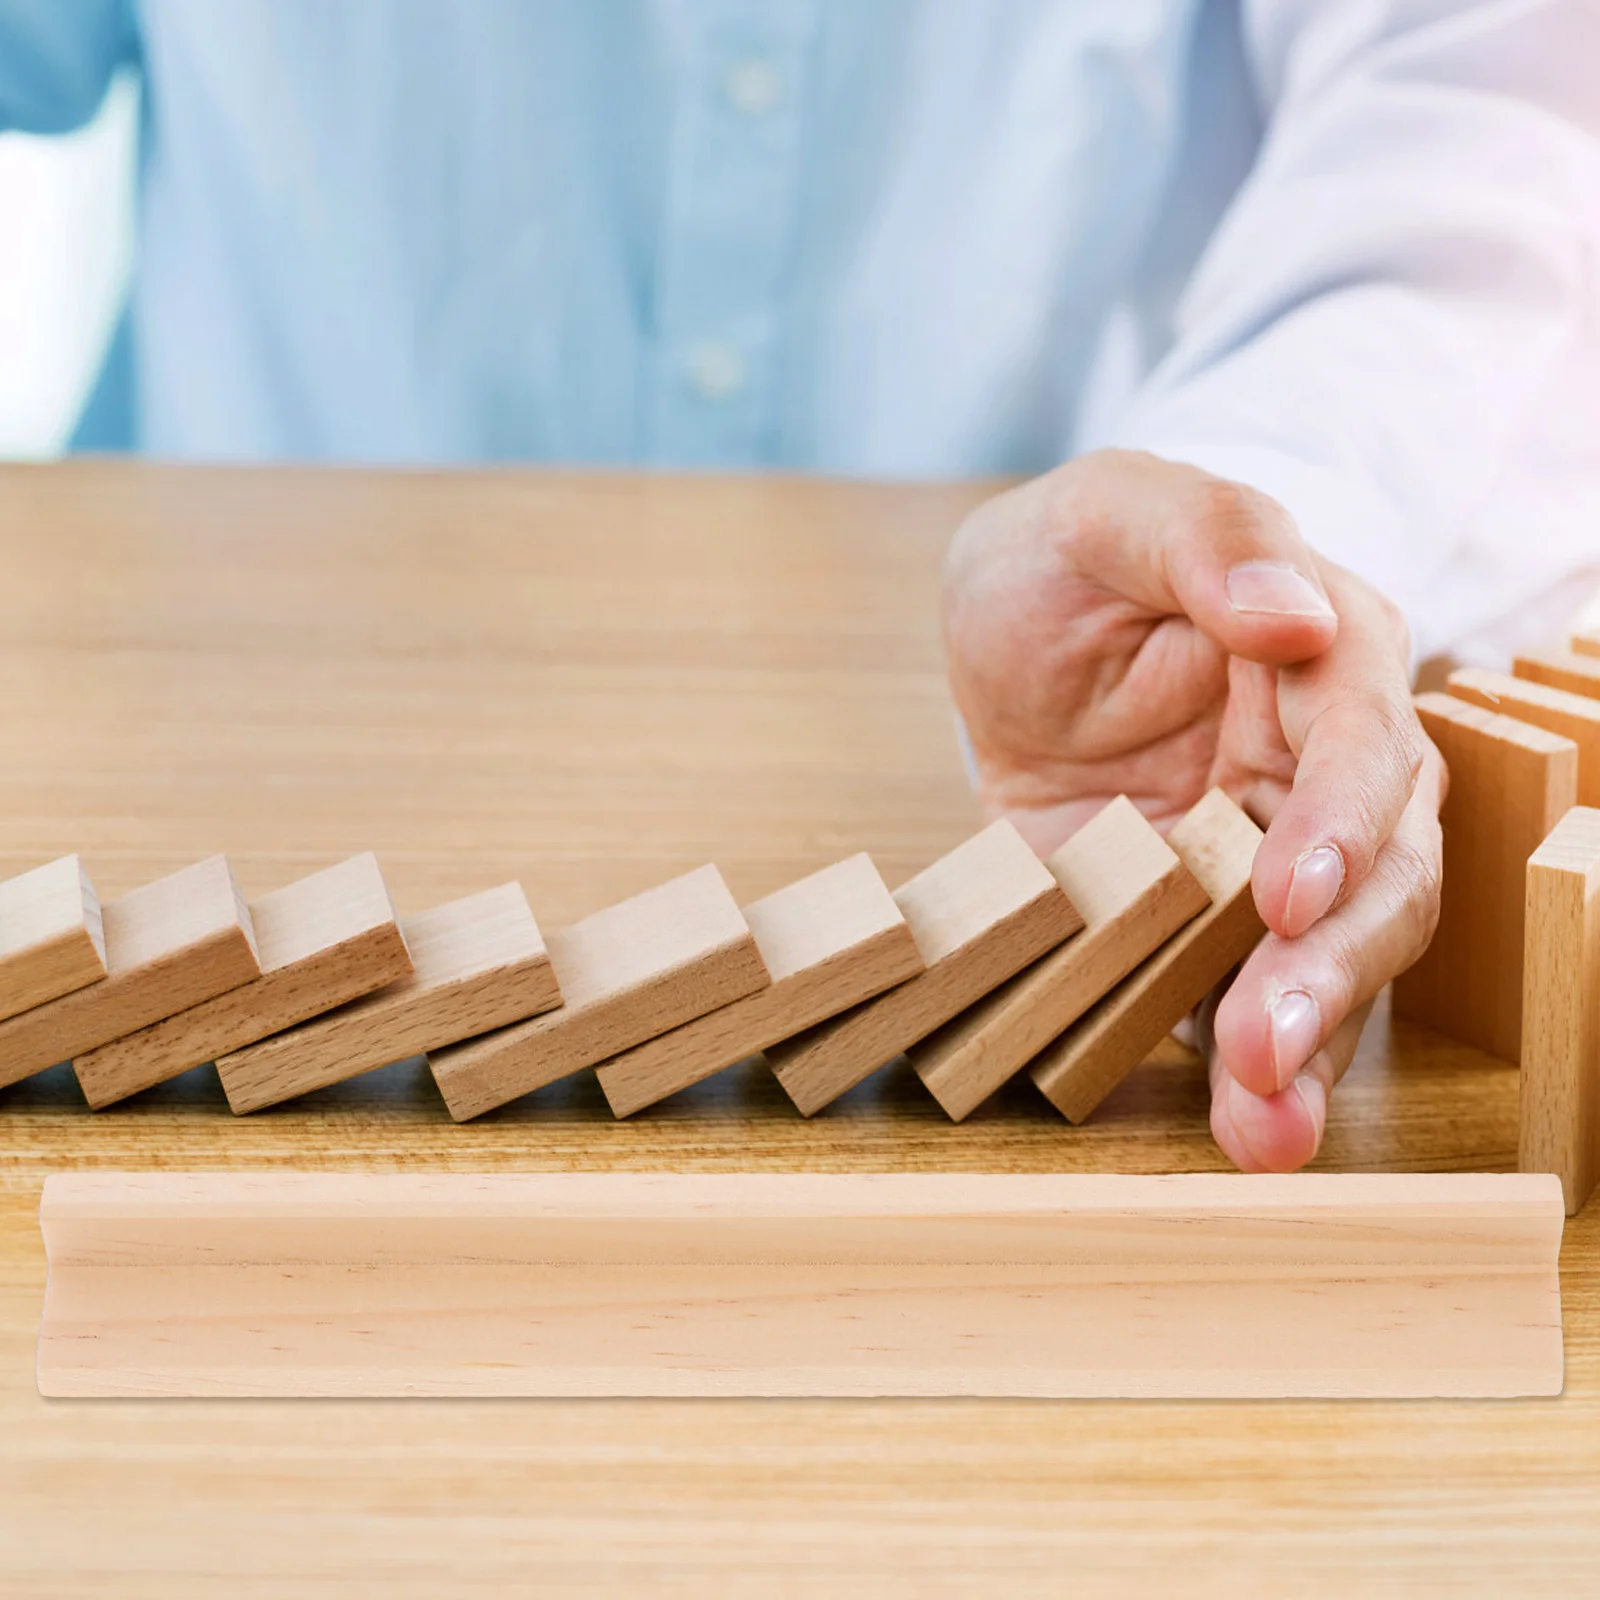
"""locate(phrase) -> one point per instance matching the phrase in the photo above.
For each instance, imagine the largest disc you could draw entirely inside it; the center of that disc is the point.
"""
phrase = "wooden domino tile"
(830, 942)
(1201, 1286)
(1217, 842)
(323, 941)
(50, 936)
(170, 945)
(1133, 893)
(477, 964)
(1560, 1079)
(1586, 643)
(1573, 716)
(627, 973)
(1560, 669)
(1510, 783)
(978, 915)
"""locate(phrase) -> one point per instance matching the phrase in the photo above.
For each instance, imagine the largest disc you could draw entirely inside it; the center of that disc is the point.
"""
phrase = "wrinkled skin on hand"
(1127, 625)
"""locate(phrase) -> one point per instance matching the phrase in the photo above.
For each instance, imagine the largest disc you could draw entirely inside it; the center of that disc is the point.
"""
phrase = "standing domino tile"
(627, 974)
(1560, 669)
(1133, 892)
(830, 941)
(323, 941)
(169, 946)
(1509, 785)
(1560, 1112)
(477, 964)
(1217, 842)
(50, 936)
(978, 915)
(1573, 716)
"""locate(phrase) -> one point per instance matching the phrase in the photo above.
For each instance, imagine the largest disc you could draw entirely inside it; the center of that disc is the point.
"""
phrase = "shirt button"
(716, 371)
(753, 87)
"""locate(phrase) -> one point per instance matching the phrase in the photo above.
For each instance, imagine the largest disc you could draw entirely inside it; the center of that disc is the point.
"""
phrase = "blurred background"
(65, 243)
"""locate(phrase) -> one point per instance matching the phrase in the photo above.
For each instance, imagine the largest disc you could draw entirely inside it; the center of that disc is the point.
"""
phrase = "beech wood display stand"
(635, 1284)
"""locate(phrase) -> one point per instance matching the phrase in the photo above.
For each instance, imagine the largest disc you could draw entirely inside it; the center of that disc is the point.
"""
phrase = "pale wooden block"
(477, 964)
(323, 941)
(1560, 1112)
(1510, 783)
(627, 973)
(1560, 669)
(978, 915)
(830, 941)
(169, 946)
(1585, 644)
(1133, 893)
(1217, 842)
(1573, 716)
(634, 1284)
(51, 941)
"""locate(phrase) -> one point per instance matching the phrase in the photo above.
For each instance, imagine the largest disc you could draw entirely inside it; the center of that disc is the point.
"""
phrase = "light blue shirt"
(1344, 251)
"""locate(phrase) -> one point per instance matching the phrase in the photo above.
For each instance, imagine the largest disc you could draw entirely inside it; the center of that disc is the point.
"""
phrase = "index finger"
(1349, 720)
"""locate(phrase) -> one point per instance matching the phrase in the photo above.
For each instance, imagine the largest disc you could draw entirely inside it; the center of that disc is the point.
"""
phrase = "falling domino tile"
(1573, 716)
(1560, 669)
(1560, 1080)
(170, 945)
(627, 973)
(50, 936)
(1217, 842)
(478, 964)
(1510, 783)
(1133, 892)
(978, 915)
(323, 941)
(830, 941)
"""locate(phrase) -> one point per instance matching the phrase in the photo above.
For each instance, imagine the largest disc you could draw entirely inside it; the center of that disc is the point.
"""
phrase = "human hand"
(1127, 625)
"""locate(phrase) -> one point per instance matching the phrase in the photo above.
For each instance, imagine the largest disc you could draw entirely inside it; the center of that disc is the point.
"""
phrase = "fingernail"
(1296, 1030)
(1314, 1096)
(1314, 884)
(1274, 588)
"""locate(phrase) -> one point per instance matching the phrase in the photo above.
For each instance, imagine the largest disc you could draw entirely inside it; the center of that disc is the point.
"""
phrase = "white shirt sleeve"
(1395, 331)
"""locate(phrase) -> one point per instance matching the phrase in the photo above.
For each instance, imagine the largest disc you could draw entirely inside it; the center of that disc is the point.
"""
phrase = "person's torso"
(881, 238)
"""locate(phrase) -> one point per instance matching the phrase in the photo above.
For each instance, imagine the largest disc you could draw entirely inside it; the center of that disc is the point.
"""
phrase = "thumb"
(1178, 541)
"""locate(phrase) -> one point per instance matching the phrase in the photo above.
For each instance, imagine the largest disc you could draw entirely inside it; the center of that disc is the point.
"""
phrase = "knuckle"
(1409, 880)
(1346, 964)
(1373, 750)
(1228, 513)
(1393, 727)
(1395, 623)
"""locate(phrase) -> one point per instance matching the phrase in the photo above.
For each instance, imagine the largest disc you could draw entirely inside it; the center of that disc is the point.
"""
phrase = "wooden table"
(592, 683)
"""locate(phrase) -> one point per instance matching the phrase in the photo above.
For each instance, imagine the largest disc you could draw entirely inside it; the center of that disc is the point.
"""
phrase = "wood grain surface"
(627, 973)
(323, 940)
(590, 684)
(831, 941)
(1559, 1108)
(170, 945)
(910, 1284)
(476, 963)
(1573, 716)
(1510, 783)
(52, 938)
(1576, 671)
(1133, 893)
(1217, 842)
(978, 914)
